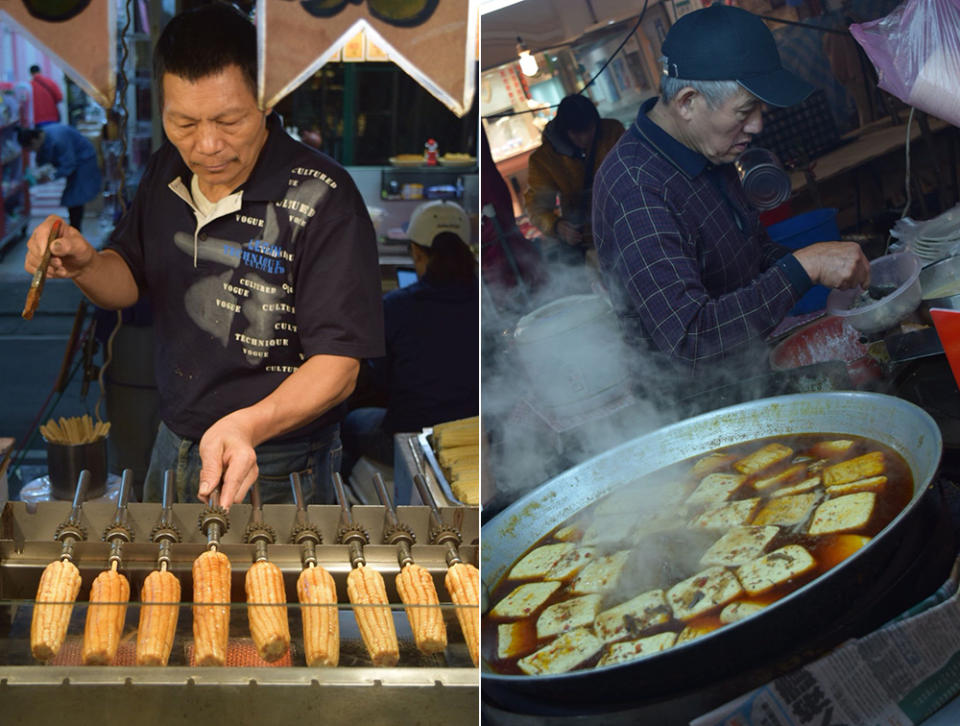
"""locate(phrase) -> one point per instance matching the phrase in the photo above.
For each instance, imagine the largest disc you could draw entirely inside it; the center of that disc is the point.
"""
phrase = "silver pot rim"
(920, 443)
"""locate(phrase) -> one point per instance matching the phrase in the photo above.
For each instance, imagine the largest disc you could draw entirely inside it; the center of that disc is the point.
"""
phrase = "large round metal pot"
(846, 592)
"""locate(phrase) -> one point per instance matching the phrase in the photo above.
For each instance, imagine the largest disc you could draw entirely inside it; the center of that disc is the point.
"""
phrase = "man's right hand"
(569, 233)
(70, 254)
(835, 264)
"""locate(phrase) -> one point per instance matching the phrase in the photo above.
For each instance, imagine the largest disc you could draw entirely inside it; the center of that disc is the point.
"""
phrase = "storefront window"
(516, 107)
(366, 113)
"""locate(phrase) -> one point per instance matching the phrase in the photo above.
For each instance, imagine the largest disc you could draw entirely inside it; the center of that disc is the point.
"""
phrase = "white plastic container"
(901, 269)
(573, 355)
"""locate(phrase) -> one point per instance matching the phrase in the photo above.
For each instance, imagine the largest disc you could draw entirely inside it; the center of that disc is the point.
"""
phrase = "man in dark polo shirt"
(260, 263)
(691, 272)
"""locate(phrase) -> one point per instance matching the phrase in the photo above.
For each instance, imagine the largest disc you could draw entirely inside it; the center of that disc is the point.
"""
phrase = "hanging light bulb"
(528, 64)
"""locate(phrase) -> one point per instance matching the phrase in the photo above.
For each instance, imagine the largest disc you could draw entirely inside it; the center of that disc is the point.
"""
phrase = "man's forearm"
(107, 282)
(319, 384)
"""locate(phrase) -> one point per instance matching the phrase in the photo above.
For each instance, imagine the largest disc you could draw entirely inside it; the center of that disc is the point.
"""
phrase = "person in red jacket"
(46, 96)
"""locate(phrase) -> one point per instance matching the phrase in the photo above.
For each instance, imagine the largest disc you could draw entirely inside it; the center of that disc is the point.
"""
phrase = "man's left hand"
(227, 456)
(835, 264)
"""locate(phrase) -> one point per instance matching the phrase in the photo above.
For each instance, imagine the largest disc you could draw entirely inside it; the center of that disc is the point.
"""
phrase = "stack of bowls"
(938, 237)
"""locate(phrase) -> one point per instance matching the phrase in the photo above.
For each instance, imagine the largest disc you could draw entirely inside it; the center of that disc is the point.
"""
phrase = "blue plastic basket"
(820, 225)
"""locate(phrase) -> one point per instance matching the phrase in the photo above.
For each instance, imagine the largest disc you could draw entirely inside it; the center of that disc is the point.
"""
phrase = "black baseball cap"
(724, 43)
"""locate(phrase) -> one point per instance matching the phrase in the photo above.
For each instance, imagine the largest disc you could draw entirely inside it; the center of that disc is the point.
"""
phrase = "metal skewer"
(395, 532)
(441, 533)
(214, 521)
(165, 533)
(303, 533)
(258, 533)
(349, 532)
(70, 530)
(117, 532)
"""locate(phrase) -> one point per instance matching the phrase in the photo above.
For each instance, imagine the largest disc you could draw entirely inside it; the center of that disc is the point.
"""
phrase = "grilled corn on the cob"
(211, 619)
(109, 595)
(266, 610)
(463, 583)
(56, 594)
(416, 588)
(365, 588)
(159, 611)
(462, 432)
(321, 625)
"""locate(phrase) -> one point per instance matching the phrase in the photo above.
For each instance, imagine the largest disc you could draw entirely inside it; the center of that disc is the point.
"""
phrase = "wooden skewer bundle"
(74, 430)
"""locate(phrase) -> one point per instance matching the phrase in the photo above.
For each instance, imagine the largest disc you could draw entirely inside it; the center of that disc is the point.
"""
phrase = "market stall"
(603, 601)
(336, 578)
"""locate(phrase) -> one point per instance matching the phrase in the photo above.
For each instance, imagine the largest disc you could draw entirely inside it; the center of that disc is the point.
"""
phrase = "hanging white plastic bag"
(916, 51)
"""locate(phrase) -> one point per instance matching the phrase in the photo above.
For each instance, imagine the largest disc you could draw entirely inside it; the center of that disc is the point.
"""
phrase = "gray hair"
(716, 93)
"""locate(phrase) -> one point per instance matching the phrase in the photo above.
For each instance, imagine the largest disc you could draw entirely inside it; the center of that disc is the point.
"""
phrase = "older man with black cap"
(692, 272)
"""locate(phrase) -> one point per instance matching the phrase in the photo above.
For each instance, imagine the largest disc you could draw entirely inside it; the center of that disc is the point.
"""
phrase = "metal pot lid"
(560, 316)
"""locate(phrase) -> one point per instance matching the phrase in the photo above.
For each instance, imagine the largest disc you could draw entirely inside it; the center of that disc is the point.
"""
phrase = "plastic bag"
(916, 51)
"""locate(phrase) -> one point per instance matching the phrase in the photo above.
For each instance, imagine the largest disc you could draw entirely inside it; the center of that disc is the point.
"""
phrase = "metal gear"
(400, 531)
(70, 529)
(117, 531)
(438, 535)
(260, 530)
(214, 514)
(344, 534)
(301, 532)
(168, 532)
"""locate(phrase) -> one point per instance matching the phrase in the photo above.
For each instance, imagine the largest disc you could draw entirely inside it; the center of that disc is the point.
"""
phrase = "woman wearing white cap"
(430, 373)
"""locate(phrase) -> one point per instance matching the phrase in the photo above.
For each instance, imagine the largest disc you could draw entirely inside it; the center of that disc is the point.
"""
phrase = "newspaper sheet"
(896, 676)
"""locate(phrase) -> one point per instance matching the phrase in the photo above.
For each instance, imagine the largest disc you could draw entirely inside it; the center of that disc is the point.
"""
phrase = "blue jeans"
(315, 460)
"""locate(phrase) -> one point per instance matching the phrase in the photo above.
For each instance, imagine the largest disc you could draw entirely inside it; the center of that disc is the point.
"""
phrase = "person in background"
(512, 267)
(430, 373)
(46, 96)
(71, 156)
(692, 273)
(260, 262)
(575, 143)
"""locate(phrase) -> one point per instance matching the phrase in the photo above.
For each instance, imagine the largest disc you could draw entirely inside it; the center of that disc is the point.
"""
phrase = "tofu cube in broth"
(739, 546)
(632, 617)
(524, 600)
(703, 592)
(843, 514)
(567, 615)
(787, 511)
(564, 653)
(632, 649)
(763, 458)
(775, 568)
(538, 561)
(872, 464)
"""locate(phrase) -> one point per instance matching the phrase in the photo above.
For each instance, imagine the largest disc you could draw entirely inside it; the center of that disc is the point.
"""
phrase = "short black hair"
(576, 113)
(449, 260)
(205, 40)
(34, 69)
(26, 137)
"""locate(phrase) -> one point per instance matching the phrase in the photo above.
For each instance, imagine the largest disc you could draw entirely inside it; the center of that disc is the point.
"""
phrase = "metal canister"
(66, 461)
(764, 180)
